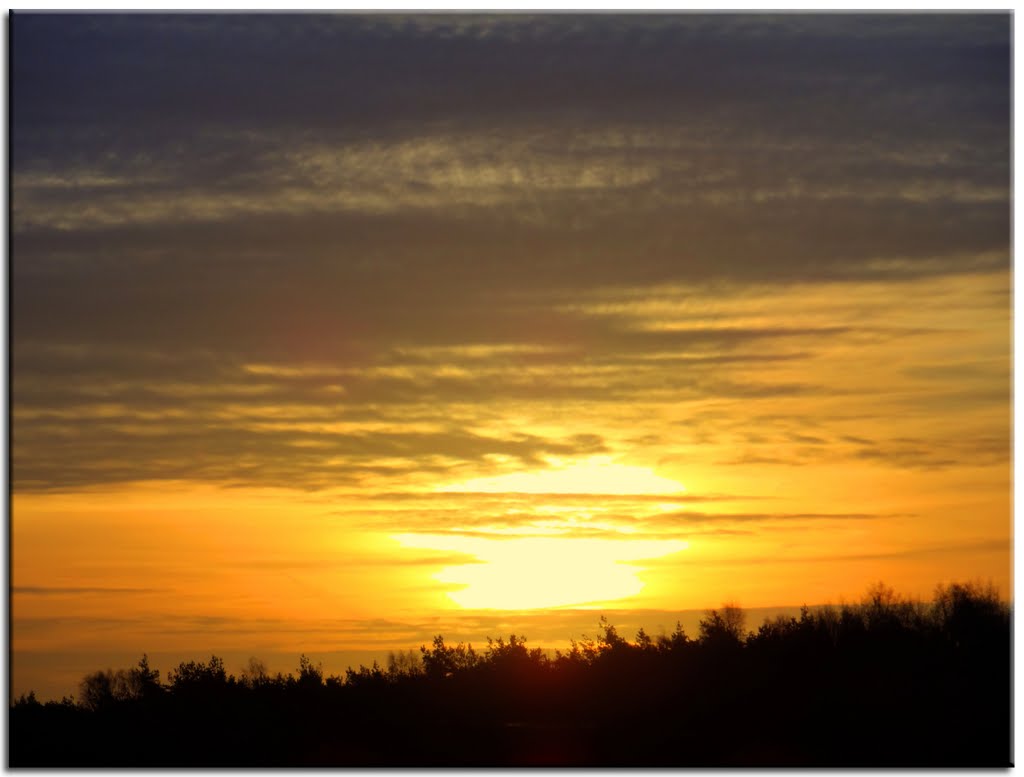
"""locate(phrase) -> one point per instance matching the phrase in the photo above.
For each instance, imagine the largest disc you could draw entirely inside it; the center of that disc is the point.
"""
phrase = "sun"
(594, 475)
(542, 572)
(518, 567)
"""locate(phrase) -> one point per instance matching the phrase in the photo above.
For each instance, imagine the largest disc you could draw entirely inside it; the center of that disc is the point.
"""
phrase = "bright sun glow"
(595, 475)
(532, 572)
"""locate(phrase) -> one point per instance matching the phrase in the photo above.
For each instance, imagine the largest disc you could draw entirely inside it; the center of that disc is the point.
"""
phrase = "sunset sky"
(333, 332)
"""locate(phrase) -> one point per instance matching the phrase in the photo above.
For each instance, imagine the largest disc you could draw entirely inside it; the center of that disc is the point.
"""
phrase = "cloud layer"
(386, 253)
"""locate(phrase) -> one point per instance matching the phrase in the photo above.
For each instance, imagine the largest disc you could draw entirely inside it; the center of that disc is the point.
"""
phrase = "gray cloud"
(591, 518)
(93, 412)
(100, 452)
(429, 67)
(514, 497)
(38, 590)
(333, 196)
(928, 551)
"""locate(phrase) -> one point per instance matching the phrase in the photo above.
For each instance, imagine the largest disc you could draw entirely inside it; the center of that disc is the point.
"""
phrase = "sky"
(329, 333)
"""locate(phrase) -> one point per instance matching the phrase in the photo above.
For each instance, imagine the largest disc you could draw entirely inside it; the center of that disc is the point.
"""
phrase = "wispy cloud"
(917, 552)
(37, 590)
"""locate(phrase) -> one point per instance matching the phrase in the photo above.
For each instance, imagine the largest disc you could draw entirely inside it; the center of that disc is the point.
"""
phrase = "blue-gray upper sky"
(218, 212)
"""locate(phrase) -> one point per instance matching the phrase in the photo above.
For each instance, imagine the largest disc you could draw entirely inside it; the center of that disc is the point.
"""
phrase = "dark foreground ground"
(884, 683)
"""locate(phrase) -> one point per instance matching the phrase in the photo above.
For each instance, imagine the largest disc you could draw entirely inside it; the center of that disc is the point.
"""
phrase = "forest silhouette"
(884, 682)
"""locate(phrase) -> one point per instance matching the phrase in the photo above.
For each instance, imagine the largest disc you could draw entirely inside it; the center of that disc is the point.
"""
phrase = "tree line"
(887, 681)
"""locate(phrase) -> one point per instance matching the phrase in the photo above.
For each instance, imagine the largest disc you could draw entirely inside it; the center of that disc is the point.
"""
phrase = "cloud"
(342, 411)
(920, 552)
(239, 270)
(429, 65)
(499, 497)
(430, 560)
(494, 516)
(103, 452)
(836, 144)
(37, 590)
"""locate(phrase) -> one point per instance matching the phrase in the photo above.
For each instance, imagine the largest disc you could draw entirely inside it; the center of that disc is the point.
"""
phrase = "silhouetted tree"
(254, 675)
(101, 690)
(445, 660)
(195, 675)
(366, 675)
(723, 627)
(27, 701)
(969, 612)
(310, 676)
(404, 663)
(144, 682)
(675, 642)
(644, 641)
(885, 681)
